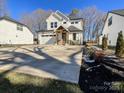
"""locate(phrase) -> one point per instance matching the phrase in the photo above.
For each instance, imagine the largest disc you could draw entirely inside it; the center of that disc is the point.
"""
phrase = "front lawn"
(21, 83)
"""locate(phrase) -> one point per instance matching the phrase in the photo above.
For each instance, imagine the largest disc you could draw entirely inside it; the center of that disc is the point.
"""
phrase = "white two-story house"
(14, 32)
(61, 30)
(113, 25)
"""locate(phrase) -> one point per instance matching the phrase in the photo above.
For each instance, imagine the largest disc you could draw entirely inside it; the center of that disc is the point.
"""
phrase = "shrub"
(104, 42)
(120, 45)
(91, 53)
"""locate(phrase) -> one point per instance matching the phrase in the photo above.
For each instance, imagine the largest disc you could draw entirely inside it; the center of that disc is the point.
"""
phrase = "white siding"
(10, 35)
(113, 30)
(79, 25)
(45, 38)
(79, 37)
(51, 18)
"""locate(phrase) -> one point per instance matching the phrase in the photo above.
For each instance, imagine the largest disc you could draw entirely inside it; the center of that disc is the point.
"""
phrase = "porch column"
(56, 38)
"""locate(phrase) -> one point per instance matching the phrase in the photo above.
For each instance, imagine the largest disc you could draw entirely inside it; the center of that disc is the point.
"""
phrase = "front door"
(61, 38)
(61, 33)
(64, 38)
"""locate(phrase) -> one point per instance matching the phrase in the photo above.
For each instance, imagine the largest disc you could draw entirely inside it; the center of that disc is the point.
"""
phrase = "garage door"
(48, 39)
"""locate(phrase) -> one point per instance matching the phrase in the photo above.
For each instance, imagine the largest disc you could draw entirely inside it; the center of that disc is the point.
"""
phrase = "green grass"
(21, 83)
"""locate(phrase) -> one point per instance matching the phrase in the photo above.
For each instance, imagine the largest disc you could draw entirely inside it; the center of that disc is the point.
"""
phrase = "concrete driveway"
(56, 62)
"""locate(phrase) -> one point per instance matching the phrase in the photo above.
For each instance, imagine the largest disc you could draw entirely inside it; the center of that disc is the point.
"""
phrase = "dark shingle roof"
(12, 20)
(45, 31)
(73, 28)
(119, 12)
(76, 18)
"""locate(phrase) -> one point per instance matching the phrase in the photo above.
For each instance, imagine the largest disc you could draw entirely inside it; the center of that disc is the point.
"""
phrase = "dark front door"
(64, 38)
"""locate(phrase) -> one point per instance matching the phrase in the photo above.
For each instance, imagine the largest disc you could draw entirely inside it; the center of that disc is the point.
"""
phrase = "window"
(19, 27)
(51, 24)
(64, 22)
(74, 36)
(76, 22)
(72, 22)
(110, 21)
(55, 24)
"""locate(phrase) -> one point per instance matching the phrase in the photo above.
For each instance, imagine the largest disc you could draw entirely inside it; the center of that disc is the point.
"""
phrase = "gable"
(62, 15)
(14, 22)
(116, 24)
(7, 25)
(59, 16)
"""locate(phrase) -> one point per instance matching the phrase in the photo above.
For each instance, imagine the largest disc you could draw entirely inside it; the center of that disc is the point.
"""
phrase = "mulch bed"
(97, 80)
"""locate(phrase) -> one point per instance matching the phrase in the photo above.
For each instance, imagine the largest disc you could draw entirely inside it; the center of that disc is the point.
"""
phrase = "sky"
(18, 7)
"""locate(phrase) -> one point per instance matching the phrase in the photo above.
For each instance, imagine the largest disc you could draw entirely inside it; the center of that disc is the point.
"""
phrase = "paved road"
(57, 62)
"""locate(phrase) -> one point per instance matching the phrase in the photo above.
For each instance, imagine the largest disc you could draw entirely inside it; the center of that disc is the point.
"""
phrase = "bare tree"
(27, 19)
(36, 20)
(93, 21)
(3, 8)
(40, 19)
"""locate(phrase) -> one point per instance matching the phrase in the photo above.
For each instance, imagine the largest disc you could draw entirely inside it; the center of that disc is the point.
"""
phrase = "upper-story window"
(76, 22)
(72, 22)
(19, 27)
(64, 22)
(51, 24)
(110, 21)
(55, 24)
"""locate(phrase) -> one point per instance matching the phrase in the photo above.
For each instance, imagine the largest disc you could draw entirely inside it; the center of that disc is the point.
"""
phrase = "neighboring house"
(13, 32)
(113, 25)
(61, 30)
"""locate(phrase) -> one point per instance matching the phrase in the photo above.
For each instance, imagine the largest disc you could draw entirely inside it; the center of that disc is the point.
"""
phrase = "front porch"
(62, 36)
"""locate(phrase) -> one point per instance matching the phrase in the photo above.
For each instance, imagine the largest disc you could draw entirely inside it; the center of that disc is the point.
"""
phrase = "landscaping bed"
(21, 83)
(95, 77)
(98, 79)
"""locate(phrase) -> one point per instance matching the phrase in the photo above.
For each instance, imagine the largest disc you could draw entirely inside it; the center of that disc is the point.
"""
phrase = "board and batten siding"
(51, 18)
(79, 36)
(10, 35)
(112, 31)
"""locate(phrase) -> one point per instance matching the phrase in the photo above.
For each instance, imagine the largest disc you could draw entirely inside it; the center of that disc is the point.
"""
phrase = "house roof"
(76, 18)
(73, 28)
(62, 27)
(44, 31)
(12, 20)
(62, 15)
(119, 12)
